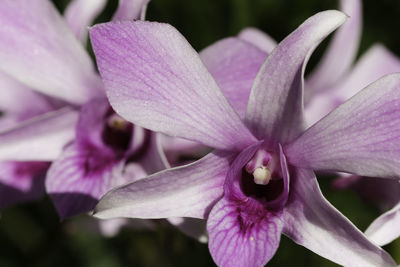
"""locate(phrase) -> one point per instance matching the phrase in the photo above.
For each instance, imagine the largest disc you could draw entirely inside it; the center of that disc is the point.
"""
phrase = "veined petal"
(361, 136)
(131, 9)
(341, 51)
(172, 92)
(377, 62)
(275, 108)
(80, 14)
(38, 49)
(80, 176)
(386, 228)
(321, 105)
(241, 236)
(188, 191)
(39, 139)
(374, 64)
(18, 99)
(21, 181)
(234, 65)
(258, 38)
(311, 221)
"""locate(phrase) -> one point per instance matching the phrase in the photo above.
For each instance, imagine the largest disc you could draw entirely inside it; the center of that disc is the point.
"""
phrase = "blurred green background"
(32, 235)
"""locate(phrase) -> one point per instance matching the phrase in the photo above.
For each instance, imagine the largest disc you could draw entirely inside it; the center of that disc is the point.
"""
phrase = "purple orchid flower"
(258, 182)
(333, 82)
(36, 124)
(41, 89)
(107, 151)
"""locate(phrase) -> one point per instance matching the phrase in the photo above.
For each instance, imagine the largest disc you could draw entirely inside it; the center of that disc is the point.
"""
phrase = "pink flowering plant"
(59, 134)
(258, 182)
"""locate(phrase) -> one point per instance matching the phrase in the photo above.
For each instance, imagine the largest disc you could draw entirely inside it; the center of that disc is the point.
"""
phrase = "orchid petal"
(154, 159)
(377, 62)
(21, 181)
(361, 136)
(41, 138)
(311, 221)
(80, 176)
(340, 53)
(18, 99)
(131, 9)
(241, 237)
(386, 228)
(38, 49)
(321, 105)
(275, 105)
(187, 191)
(8, 121)
(234, 65)
(173, 92)
(91, 121)
(80, 14)
(173, 145)
(258, 38)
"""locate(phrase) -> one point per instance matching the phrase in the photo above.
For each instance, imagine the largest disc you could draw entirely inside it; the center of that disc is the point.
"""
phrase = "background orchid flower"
(45, 76)
(258, 182)
(336, 78)
(36, 124)
(385, 228)
(107, 151)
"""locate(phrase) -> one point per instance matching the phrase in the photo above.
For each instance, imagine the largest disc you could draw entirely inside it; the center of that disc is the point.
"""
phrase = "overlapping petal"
(44, 53)
(373, 64)
(131, 9)
(80, 176)
(153, 158)
(41, 138)
(361, 136)
(377, 62)
(314, 223)
(274, 111)
(341, 51)
(19, 100)
(385, 228)
(234, 65)
(154, 79)
(80, 14)
(258, 38)
(188, 191)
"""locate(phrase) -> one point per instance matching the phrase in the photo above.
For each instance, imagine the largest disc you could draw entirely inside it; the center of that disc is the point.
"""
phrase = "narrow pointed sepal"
(311, 221)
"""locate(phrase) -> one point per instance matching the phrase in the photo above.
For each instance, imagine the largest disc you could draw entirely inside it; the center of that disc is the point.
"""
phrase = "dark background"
(32, 234)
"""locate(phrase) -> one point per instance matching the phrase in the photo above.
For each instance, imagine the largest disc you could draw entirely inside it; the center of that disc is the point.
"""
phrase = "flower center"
(261, 177)
(117, 132)
(261, 166)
